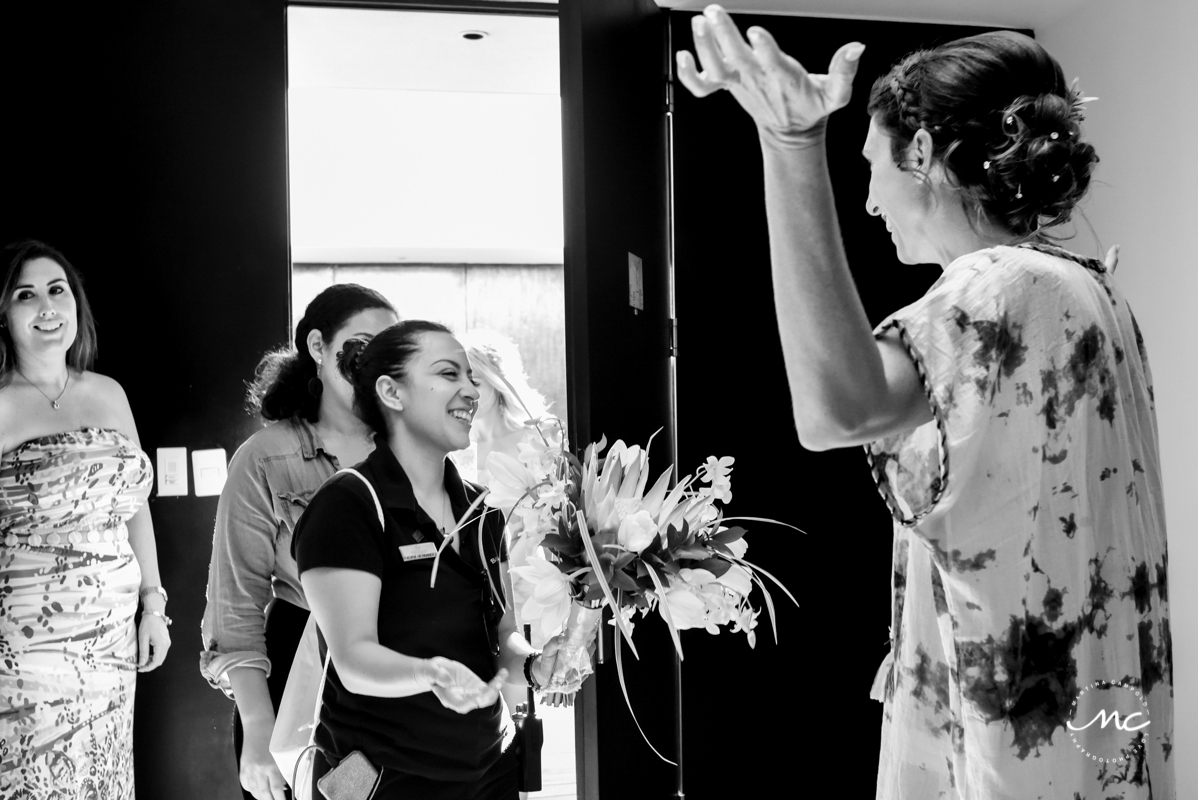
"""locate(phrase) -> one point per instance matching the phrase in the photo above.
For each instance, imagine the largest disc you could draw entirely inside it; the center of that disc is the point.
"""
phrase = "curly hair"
(280, 386)
(1003, 121)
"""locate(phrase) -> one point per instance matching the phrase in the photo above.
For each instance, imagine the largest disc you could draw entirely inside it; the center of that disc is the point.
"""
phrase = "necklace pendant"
(54, 404)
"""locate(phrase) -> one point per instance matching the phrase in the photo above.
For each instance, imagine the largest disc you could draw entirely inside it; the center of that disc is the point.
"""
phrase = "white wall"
(1137, 58)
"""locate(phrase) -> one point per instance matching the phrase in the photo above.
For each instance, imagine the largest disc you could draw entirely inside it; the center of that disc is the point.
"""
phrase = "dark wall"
(147, 141)
(779, 714)
(617, 359)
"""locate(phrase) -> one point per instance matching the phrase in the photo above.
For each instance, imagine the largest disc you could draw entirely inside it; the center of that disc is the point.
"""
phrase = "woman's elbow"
(826, 432)
(354, 680)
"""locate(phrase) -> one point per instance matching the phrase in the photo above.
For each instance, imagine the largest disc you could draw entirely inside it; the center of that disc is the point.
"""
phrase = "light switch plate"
(172, 471)
(636, 283)
(210, 468)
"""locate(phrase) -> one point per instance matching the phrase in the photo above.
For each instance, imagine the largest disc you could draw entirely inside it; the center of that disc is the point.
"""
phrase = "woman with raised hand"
(1008, 414)
(256, 608)
(76, 544)
(416, 664)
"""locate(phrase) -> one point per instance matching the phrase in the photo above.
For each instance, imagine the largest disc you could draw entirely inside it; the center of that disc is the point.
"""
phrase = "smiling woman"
(411, 597)
(997, 410)
(76, 544)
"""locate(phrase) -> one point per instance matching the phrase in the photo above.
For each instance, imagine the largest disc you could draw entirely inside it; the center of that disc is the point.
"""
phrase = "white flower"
(625, 613)
(552, 494)
(737, 579)
(716, 472)
(738, 547)
(637, 531)
(746, 621)
(687, 610)
(550, 599)
(510, 481)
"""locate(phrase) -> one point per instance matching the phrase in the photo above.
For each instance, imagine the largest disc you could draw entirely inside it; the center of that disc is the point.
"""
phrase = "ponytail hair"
(283, 385)
(388, 353)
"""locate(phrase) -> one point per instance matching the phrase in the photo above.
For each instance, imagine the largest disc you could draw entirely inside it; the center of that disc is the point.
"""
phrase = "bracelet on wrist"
(145, 590)
(528, 671)
(164, 617)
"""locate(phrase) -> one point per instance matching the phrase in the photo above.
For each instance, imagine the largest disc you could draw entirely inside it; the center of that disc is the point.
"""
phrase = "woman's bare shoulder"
(106, 401)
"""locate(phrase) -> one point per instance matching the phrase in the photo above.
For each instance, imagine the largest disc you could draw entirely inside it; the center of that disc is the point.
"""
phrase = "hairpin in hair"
(1056, 178)
(985, 165)
(1011, 119)
(1054, 135)
(1019, 192)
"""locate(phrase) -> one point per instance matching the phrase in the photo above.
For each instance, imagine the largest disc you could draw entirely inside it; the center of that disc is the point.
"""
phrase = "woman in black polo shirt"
(416, 670)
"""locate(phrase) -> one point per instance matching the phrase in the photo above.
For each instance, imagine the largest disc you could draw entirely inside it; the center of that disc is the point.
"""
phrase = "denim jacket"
(271, 478)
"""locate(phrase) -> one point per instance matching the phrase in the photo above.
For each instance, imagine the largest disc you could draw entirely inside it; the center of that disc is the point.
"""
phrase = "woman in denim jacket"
(256, 608)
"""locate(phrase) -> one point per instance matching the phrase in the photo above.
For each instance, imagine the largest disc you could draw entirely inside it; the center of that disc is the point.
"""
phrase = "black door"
(147, 141)
(794, 715)
(614, 145)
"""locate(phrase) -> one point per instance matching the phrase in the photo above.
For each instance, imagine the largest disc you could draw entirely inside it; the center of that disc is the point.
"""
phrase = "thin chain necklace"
(53, 400)
(446, 510)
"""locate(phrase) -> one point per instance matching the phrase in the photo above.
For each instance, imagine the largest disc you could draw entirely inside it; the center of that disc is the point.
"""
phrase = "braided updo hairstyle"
(1002, 120)
(283, 382)
(388, 353)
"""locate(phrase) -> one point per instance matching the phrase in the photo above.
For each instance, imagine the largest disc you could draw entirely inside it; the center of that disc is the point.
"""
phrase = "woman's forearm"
(832, 360)
(141, 540)
(369, 668)
(252, 696)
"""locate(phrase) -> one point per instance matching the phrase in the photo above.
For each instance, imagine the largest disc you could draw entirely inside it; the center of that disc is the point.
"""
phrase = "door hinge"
(669, 96)
(674, 338)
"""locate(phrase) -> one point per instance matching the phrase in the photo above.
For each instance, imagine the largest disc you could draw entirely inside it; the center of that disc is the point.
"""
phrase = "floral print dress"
(68, 592)
(1030, 645)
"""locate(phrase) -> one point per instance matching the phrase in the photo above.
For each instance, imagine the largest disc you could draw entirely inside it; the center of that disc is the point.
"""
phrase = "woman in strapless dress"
(76, 545)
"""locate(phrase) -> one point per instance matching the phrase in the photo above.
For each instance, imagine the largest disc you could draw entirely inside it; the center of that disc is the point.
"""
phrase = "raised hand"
(787, 102)
(459, 689)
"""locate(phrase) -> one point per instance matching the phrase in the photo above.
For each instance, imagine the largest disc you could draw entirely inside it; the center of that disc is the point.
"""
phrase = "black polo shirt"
(456, 619)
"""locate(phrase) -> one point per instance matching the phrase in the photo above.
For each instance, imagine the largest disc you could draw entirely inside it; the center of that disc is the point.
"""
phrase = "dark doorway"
(779, 715)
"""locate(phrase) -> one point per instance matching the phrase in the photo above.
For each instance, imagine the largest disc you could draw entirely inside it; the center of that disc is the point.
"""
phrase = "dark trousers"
(284, 627)
(499, 783)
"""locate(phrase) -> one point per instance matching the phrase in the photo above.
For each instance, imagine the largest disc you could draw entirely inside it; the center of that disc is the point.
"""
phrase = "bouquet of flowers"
(593, 534)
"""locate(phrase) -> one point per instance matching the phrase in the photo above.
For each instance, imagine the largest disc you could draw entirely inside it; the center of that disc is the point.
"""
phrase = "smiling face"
(42, 315)
(900, 198)
(438, 394)
(363, 325)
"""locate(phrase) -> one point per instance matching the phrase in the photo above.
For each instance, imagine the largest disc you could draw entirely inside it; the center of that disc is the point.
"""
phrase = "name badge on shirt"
(416, 552)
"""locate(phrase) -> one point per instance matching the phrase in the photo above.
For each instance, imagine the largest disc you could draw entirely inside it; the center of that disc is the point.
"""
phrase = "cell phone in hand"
(355, 778)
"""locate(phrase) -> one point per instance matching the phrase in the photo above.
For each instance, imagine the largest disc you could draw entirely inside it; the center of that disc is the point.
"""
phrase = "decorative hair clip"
(1054, 135)
(985, 165)
(1056, 178)
(1011, 119)
(1019, 192)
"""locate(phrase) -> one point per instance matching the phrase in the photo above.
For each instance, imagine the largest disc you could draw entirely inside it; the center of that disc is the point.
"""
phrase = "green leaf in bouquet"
(729, 535)
(563, 546)
(716, 566)
(595, 592)
(603, 539)
(623, 559)
(719, 546)
(661, 564)
(622, 580)
(676, 537)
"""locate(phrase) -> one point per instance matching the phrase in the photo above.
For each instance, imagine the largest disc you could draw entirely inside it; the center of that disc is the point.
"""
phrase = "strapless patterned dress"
(68, 593)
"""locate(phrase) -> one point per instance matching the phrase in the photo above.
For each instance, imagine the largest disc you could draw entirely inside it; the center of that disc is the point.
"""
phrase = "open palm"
(781, 96)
